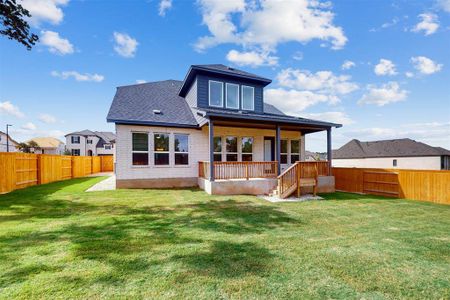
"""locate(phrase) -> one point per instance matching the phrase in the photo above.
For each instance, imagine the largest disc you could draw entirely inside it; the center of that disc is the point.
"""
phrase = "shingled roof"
(387, 148)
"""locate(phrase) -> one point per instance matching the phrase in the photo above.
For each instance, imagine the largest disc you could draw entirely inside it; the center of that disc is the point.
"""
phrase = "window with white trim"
(247, 148)
(231, 148)
(181, 149)
(217, 143)
(140, 148)
(295, 151)
(248, 97)
(215, 93)
(88, 141)
(232, 95)
(75, 152)
(107, 146)
(284, 152)
(161, 148)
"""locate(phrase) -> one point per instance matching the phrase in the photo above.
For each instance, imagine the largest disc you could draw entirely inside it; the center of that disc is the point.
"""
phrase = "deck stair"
(294, 178)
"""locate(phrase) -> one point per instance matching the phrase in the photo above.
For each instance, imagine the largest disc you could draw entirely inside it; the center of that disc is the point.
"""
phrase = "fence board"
(20, 170)
(425, 185)
(107, 163)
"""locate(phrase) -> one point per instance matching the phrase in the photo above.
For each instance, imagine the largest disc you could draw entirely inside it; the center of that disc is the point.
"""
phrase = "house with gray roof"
(90, 143)
(397, 154)
(168, 133)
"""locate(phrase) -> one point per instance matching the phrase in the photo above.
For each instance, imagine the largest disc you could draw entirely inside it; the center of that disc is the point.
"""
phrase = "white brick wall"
(198, 149)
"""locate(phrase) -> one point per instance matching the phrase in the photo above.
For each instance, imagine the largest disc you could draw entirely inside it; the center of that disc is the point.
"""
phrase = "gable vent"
(156, 112)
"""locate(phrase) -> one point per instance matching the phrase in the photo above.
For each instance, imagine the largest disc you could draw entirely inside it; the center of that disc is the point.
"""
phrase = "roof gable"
(219, 70)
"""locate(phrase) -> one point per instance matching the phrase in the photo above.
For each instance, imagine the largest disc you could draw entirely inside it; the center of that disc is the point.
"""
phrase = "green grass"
(56, 241)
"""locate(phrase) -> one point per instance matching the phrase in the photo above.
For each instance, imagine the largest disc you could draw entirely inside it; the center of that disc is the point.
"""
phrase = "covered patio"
(274, 172)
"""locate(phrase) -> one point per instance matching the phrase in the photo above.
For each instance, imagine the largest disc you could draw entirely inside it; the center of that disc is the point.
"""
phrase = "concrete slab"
(303, 198)
(109, 184)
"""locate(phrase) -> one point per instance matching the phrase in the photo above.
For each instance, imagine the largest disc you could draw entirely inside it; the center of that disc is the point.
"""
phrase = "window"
(231, 148)
(295, 151)
(75, 139)
(75, 152)
(161, 148)
(107, 146)
(217, 143)
(181, 149)
(248, 97)
(284, 152)
(247, 149)
(215, 93)
(232, 95)
(88, 141)
(394, 162)
(140, 148)
(445, 162)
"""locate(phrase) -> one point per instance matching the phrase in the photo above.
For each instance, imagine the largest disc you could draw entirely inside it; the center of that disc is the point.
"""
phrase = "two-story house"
(90, 143)
(7, 144)
(169, 131)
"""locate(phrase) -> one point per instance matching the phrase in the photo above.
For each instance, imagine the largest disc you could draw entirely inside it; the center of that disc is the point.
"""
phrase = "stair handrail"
(281, 177)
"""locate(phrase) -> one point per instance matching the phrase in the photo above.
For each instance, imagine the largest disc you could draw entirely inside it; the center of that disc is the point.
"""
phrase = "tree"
(28, 147)
(13, 24)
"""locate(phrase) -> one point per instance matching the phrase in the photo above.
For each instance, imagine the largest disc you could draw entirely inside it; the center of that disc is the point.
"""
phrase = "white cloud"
(428, 25)
(55, 43)
(139, 81)
(28, 126)
(8, 108)
(77, 76)
(385, 67)
(324, 82)
(293, 101)
(245, 23)
(330, 116)
(348, 64)
(251, 58)
(164, 6)
(425, 65)
(46, 118)
(433, 133)
(45, 10)
(385, 94)
(125, 46)
(409, 74)
(444, 5)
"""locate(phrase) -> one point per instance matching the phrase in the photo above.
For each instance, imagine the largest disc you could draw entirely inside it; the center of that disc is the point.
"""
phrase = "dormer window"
(232, 95)
(215, 93)
(248, 97)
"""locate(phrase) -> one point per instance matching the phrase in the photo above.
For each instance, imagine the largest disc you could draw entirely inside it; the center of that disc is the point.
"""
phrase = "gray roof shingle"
(135, 103)
(387, 148)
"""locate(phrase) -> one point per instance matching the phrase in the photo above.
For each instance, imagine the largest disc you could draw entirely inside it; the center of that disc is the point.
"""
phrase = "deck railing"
(239, 169)
(289, 180)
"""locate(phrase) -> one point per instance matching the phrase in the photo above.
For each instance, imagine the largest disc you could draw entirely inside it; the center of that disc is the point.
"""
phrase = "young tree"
(13, 24)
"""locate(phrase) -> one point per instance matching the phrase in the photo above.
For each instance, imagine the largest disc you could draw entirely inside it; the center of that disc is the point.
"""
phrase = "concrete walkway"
(109, 184)
(303, 198)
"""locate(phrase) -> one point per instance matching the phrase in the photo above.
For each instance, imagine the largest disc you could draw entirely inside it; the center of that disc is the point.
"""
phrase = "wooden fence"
(425, 185)
(20, 170)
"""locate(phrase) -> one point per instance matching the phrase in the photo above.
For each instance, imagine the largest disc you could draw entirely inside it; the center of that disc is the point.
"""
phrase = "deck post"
(211, 150)
(329, 151)
(278, 149)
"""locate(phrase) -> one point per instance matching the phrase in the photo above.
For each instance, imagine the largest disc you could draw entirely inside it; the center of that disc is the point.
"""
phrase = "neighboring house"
(168, 131)
(12, 144)
(90, 143)
(397, 154)
(48, 145)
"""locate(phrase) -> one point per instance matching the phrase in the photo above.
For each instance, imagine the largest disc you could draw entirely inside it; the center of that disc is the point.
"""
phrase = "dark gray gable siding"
(203, 91)
(191, 96)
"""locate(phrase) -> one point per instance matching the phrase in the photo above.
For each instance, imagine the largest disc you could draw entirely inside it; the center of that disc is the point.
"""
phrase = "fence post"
(39, 168)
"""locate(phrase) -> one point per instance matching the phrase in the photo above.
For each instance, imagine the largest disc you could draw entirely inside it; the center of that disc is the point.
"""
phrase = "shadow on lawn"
(194, 236)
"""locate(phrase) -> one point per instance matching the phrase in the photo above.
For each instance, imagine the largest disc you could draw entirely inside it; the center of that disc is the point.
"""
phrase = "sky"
(380, 68)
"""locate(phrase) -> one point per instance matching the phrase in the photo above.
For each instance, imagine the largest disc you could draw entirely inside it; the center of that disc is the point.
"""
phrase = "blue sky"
(382, 68)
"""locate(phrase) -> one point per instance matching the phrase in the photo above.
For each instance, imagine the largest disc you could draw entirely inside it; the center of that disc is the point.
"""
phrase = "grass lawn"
(57, 241)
